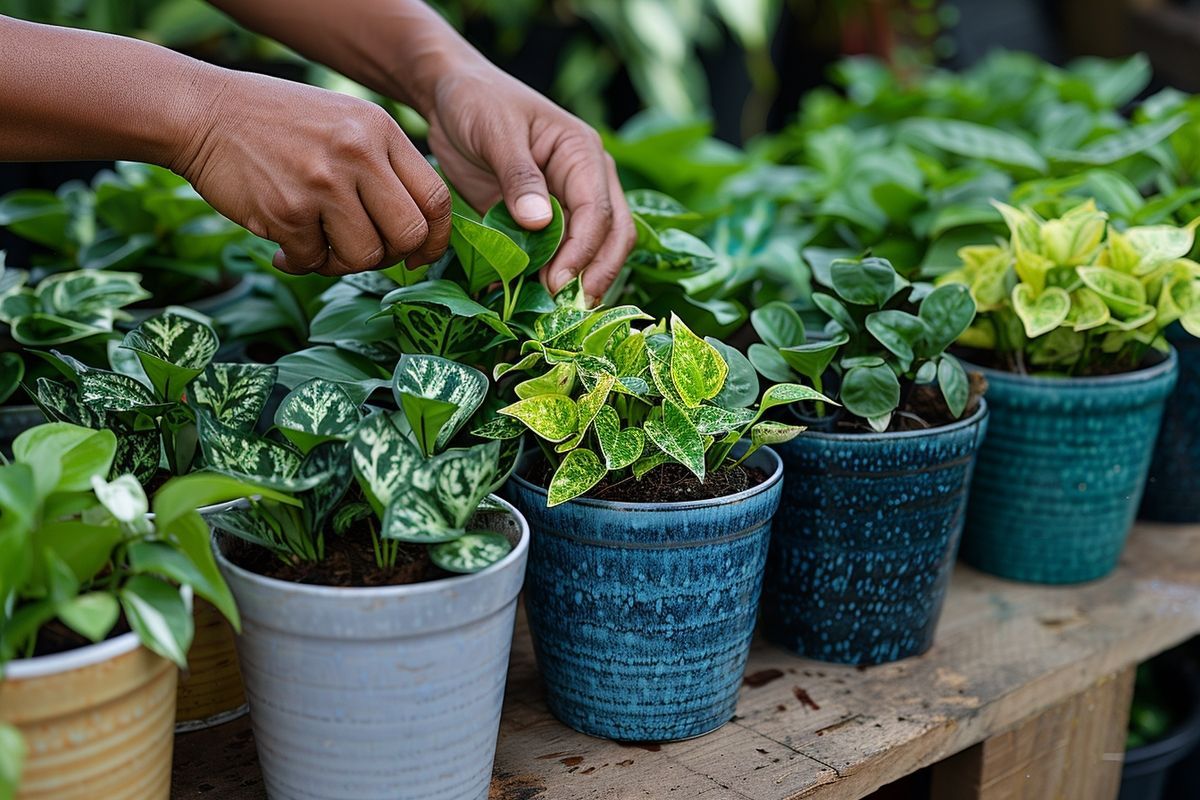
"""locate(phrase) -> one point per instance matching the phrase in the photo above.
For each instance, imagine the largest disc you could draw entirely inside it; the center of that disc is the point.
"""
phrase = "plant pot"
(642, 613)
(241, 288)
(210, 691)
(97, 722)
(1061, 472)
(379, 693)
(1147, 768)
(865, 540)
(15, 420)
(1173, 486)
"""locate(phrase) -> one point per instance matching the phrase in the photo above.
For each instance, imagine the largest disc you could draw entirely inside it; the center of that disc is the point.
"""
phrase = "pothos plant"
(1077, 296)
(165, 376)
(884, 335)
(84, 552)
(605, 398)
(74, 312)
(413, 486)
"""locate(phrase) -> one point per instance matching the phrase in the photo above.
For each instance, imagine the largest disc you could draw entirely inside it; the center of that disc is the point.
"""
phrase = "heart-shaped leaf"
(173, 350)
(471, 552)
(554, 417)
(579, 471)
(869, 282)
(423, 385)
(234, 393)
(540, 245)
(1042, 313)
(1088, 310)
(414, 516)
(487, 255)
(947, 312)
(812, 358)
(778, 325)
(870, 392)
(1124, 294)
(386, 461)
(697, 369)
(619, 447)
(676, 436)
(462, 478)
(317, 411)
(954, 384)
(784, 394)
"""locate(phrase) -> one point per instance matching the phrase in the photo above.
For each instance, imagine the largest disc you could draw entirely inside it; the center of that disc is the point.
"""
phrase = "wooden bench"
(1024, 695)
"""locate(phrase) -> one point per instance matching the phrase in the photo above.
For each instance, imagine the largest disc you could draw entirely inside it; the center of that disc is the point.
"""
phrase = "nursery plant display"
(96, 619)
(74, 312)
(397, 627)
(1070, 336)
(875, 491)
(640, 601)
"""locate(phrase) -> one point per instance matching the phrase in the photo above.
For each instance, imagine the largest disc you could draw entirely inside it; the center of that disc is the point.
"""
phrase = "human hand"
(496, 137)
(330, 178)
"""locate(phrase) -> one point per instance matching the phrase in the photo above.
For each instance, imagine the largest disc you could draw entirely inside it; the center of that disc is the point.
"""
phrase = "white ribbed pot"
(382, 693)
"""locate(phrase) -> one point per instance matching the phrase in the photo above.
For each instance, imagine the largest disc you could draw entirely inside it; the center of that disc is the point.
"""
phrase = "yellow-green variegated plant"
(1076, 296)
(610, 390)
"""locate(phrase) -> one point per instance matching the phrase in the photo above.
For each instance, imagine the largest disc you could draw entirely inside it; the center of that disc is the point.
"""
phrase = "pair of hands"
(335, 182)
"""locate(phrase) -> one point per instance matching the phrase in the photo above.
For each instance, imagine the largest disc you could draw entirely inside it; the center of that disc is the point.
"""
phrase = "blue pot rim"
(461, 583)
(1164, 367)
(886, 436)
(775, 477)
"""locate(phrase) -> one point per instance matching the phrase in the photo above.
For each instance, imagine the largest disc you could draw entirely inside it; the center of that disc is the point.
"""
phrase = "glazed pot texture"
(385, 693)
(642, 613)
(865, 540)
(1061, 472)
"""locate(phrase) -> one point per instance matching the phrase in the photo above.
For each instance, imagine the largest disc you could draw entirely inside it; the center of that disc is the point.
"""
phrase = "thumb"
(522, 186)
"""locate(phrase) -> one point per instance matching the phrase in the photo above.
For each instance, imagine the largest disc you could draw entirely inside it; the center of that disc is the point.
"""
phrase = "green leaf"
(385, 461)
(954, 384)
(65, 457)
(778, 325)
(501, 428)
(123, 497)
(158, 615)
(869, 282)
(676, 436)
(741, 380)
(85, 548)
(1087, 310)
(539, 245)
(471, 552)
(620, 448)
(180, 496)
(947, 312)
(769, 363)
(487, 255)
(898, 331)
(784, 394)
(559, 379)
(835, 311)
(1042, 313)
(420, 378)
(12, 372)
(579, 471)
(812, 358)
(553, 417)
(357, 375)
(234, 393)
(769, 432)
(974, 141)
(1122, 144)
(262, 461)
(13, 751)
(1123, 294)
(697, 369)
(315, 412)
(414, 516)
(660, 210)
(870, 392)
(462, 478)
(37, 215)
(173, 350)
(193, 540)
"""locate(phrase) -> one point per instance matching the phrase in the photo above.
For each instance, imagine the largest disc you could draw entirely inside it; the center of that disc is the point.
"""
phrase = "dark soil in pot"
(349, 562)
(56, 637)
(921, 407)
(667, 483)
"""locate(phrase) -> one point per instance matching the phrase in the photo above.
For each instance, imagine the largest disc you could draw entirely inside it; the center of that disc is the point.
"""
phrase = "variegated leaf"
(60, 401)
(348, 515)
(718, 421)
(647, 463)
(461, 478)
(261, 460)
(560, 379)
(697, 369)
(251, 525)
(658, 350)
(430, 378)
(577, 474)
(414, 516)
(472, 552)
(113, 391)
(587, 407)
(234, 393)
(768, 432)
(619, 447)
(173, 350)
(528, 361)
(317, 411)
(676, 436)
(553, 417)
(329, 465)
(782, 394)
(500, 428)
(139, 452)
(386, 461)
(606, 324)
(563, 328)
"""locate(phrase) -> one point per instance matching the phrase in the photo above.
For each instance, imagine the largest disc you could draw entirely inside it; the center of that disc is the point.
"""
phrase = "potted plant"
(650, 516)
(874, 493)
(1070, 338)
(94, 615)
(166, 377)
(134, 218)
(395, 630)
(72, 311)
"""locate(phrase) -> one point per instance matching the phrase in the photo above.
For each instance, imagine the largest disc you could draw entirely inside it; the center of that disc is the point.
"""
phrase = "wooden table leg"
(1072, 751)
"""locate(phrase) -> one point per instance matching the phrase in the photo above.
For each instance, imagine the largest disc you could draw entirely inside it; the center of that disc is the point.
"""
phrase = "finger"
(302, 250)
(354, 244)
(429, 193)
(522, 184)
(578, 173)
(400, 224)
(607, 265)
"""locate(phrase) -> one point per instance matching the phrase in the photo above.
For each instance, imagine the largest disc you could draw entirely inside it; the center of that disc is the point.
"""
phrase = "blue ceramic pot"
(1173, 488)
(865, 540)
(642, 613)
(1060, 475)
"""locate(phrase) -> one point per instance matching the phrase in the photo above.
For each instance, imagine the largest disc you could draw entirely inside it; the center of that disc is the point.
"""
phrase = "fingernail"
(533, 208)
(591, 300)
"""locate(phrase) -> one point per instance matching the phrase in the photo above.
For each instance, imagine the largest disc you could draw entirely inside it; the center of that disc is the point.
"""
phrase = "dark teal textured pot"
(642, 613)
(1061, 472)
(1173, 487)
(864, 542)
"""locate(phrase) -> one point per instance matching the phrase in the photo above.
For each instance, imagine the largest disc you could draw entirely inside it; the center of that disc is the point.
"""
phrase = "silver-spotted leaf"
(317, 411)
(414, 516)
(697, 369)
(234, 393)
(620, 448)
(386, 461)
(676, 436)
(471, 552)
(422, 377)
(715, 421)
(173, 350)
(782, 394)
(501, 428)
(554, 417)
(579, 471)
(463, 477)
(261, 460)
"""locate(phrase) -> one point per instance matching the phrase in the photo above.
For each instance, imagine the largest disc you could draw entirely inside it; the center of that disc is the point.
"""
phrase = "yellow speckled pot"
(211, 691)
(98, 722)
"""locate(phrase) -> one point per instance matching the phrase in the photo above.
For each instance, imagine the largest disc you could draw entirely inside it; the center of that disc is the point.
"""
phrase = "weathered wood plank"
(1005, 652)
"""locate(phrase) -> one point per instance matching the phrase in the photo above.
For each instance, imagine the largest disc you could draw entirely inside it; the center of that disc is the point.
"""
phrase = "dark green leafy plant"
(1076, 296)
(166, 377)
(885, 334)
(605, 399)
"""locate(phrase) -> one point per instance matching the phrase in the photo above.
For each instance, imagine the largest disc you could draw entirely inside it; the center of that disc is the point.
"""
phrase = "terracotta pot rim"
(461, 583)
(79, 658)
(775, 476)
(1157, 370)
(891, 436)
